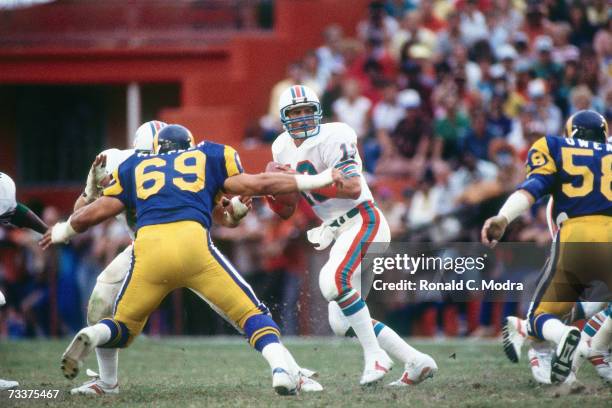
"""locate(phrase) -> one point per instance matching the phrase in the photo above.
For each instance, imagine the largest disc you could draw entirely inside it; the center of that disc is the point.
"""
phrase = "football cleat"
(82, 344)
(308, 373)
(539, 362)
(600, 360)
(7, 385)
(417, 371)
(95, 386)
(307, 384)
(376, 366)
(562, 359)
(513, 337)
(284, 383)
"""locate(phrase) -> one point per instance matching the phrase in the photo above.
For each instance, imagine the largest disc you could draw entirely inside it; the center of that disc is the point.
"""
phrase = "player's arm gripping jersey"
(175, 186)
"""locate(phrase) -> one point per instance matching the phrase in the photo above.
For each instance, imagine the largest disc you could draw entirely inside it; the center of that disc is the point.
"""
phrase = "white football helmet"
(7, 194)
(303, 126)
(143, 141)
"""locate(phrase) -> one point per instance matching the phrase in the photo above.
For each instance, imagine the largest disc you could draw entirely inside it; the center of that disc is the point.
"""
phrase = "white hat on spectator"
(536, 88)
(497, 71)
(543, 43)
(409, 99)
(506, 51)
(420, 51)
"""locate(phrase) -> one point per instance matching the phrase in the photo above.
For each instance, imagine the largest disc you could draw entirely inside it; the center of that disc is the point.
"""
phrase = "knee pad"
(261, 330)
(102, 301)
(338, 323)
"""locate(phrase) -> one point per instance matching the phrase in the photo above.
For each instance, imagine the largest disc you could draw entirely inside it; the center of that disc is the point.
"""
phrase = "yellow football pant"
(181, 255)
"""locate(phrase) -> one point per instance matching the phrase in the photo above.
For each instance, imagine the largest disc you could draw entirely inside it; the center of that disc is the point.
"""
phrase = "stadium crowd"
(445, 96)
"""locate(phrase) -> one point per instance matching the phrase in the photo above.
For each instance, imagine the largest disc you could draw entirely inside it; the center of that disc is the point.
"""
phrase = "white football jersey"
(334, 146)
(114, 157)
(8, 201)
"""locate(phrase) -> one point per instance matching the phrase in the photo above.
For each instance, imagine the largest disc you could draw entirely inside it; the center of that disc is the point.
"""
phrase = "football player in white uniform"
(18, 215)
(352, 219)
(108, 283)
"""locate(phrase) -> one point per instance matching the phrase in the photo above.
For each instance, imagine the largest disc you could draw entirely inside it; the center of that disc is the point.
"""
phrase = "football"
(289, 199)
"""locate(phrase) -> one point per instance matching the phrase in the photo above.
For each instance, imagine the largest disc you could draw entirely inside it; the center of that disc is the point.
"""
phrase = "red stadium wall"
(224, 86)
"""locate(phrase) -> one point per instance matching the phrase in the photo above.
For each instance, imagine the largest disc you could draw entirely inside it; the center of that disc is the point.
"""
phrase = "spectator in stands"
(498, 124)
(378, 23)
(330, 54)
(473, 23)
(582, 30)
(411, 32)
(581, 99)
(405, 152)
(450, 128)
(450, 37)
(353, 108)
(544, 66)
(541, 107)
(461, 64)
(478, 137)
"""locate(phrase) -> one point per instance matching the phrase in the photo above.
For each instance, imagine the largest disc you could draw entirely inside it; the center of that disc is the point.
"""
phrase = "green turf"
(195, 372)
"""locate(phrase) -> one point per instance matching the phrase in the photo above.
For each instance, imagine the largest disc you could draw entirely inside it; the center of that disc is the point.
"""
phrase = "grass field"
(196, 372)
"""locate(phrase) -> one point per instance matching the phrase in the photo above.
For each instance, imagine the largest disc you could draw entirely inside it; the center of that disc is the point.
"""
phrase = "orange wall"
(224, 87)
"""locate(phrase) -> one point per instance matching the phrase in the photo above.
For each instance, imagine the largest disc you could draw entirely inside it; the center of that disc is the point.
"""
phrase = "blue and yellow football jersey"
(576, 172)
(174, 186)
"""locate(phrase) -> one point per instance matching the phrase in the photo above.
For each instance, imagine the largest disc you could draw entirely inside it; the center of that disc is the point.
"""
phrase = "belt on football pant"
(350, 214)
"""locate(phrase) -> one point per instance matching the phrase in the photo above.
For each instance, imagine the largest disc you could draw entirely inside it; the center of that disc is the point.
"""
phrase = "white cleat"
(7, 385)
(284, 383)
(95, 386)
(376, 366)
(600, 360)
(82, 344)
(417, 371)
(308, 373)
(539, 362)
(513, 337)
(307, 384)
(562, 359)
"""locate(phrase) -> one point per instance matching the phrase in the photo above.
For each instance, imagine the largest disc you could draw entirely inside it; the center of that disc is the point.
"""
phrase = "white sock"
(274, 353)
(361, 322)
(108, 360)
(553, 329)
(293, 365)
(101, 332)
(393, 344)
(601, 340)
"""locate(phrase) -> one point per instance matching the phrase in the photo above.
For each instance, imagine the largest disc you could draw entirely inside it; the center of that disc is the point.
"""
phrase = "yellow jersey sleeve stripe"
(114, 189)
(232, 163)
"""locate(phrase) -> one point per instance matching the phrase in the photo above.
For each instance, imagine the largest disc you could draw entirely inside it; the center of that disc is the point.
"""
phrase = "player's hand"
(338, 178)
(235, 209)
(45, 242)
(493, 229)
(97, 173)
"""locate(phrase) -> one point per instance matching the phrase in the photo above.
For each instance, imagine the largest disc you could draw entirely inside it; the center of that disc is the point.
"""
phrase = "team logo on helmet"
(303, 126)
